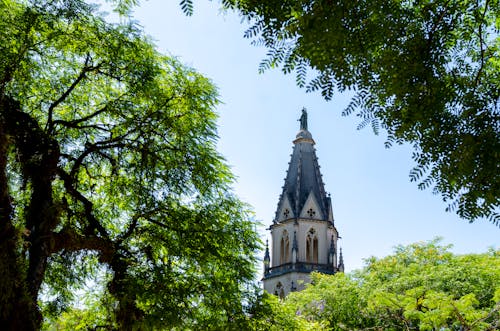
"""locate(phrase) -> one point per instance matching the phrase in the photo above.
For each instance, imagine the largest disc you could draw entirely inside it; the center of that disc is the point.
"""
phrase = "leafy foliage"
(421, 287)
(269, 313)
(425, 71)
(110, 175)
(187, 7)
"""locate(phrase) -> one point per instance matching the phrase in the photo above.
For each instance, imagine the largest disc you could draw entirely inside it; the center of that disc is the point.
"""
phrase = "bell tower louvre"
(303, 234)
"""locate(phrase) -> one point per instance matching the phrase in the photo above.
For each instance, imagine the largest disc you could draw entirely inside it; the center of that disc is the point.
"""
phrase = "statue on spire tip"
(303, 119)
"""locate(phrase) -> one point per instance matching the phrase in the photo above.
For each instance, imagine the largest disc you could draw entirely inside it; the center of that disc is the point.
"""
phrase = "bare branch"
(74, 124)
(490, 314)
(132, 226)
(481, 43)
(436, 23)
(96, 147)
(83, 73)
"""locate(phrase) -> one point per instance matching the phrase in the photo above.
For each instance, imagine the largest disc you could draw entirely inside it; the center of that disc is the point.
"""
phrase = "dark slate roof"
(303, 176)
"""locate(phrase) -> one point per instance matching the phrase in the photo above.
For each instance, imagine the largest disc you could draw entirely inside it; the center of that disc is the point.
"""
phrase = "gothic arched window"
(312, 247)
(284, 248)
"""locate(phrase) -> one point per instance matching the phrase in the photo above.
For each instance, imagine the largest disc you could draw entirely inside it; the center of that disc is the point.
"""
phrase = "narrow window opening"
(312, 247)
(315, 250)
(284, 248)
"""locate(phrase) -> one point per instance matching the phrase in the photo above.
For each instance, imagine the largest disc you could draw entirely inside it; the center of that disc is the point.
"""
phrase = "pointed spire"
(303, 178)
(331, 253)
(341, 261)
(267, 259)
(332, 246)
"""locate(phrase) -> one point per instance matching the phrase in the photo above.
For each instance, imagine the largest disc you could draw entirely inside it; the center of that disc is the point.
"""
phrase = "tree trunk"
(17, 310)
(128, 315)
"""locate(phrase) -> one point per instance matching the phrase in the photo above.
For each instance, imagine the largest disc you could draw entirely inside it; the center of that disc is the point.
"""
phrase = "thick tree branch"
(38, 153)
(5, 199)
(88, 206)
(69, 240)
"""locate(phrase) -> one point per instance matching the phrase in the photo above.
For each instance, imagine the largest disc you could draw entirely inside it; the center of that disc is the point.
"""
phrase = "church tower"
(303, 233)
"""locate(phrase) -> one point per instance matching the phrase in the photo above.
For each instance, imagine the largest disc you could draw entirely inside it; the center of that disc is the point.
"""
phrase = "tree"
(109, 175)
(269, 313)
(426, 71)
(420, 287)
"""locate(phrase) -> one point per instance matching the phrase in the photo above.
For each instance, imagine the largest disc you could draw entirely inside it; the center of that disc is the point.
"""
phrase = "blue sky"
(375, 205)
